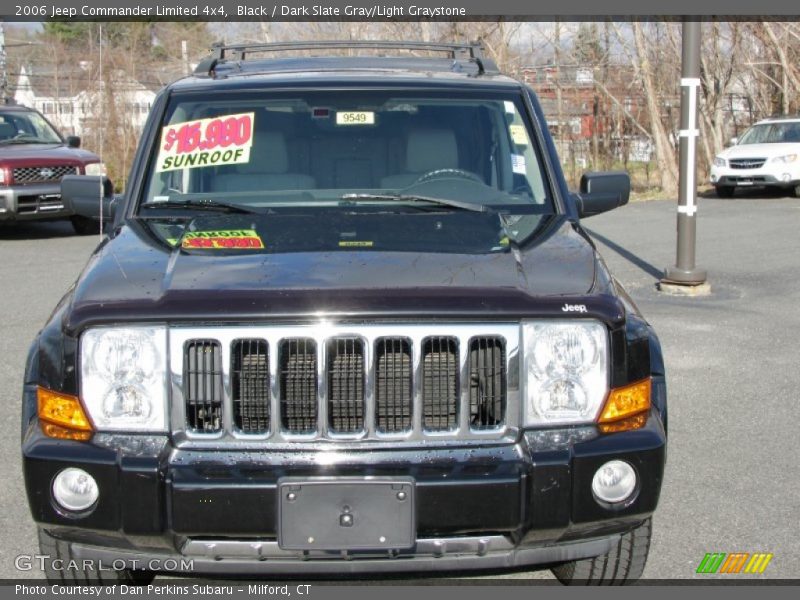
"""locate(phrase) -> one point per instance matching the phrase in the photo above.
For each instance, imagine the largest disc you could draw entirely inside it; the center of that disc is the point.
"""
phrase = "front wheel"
(60, 566)
(797, 191)
(623, 565)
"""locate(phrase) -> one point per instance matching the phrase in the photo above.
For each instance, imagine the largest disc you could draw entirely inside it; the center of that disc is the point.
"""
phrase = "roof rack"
(472, 51)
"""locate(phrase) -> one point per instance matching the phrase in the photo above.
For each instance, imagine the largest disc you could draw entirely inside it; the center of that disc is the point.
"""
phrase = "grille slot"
(250, 390)
(346, 385)
(393, 389)
(42, 174)
(202, 385)
(298, 383)
(747, 163)
(487, 382)
(440, 383)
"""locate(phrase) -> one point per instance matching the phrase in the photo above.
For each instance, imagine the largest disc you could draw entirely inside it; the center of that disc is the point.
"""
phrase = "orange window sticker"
(224, 140)
(240, 239)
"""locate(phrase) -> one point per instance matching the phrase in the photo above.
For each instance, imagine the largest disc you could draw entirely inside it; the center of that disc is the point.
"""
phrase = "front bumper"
(477, 507)
(260, 558)
(41, 201)
(780, 177)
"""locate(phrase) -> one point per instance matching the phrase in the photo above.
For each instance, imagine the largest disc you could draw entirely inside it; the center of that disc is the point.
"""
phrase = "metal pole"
(685, 271)
(3, 65)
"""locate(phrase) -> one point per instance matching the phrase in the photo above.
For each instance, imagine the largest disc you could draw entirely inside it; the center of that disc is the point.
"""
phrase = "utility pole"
(685, 277)
(185, 57)
(559, 107)
(3, 65)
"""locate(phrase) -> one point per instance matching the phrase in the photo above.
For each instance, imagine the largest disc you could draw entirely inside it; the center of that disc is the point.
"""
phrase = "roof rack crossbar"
(471, 51)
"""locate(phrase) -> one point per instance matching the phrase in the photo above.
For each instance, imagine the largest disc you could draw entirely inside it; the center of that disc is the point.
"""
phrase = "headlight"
(95, 169)
(788, 158)
(566, 371)
(720, 162)
(124, 379)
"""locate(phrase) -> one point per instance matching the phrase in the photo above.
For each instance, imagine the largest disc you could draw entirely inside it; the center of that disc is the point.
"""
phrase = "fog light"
(75, 490)
(614, 482)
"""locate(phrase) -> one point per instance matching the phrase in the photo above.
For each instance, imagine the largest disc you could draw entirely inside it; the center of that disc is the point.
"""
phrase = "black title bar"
(366, 10)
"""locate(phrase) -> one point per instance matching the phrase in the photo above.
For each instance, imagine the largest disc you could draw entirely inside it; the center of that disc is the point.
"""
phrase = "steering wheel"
(437, 173)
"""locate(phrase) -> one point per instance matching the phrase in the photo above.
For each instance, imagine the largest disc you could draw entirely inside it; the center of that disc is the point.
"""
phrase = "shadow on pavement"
(35, 230)
(628, 255)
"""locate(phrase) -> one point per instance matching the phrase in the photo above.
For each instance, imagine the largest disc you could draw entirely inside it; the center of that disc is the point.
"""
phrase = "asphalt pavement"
(733, 474)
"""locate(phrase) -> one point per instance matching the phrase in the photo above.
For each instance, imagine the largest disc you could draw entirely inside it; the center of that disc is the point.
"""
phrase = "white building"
(72, 99)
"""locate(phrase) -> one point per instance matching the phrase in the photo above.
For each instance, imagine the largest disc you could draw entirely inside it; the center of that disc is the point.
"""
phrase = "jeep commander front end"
(347, 321)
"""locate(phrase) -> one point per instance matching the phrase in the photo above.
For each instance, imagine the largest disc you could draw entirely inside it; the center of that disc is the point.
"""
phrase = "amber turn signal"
(634, 422)
(625, 402)
(62, 416)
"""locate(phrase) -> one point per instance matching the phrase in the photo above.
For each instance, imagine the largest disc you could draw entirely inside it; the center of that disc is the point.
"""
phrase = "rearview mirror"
(73, 141)
(82, 194)
(602, 191)
(733, 141)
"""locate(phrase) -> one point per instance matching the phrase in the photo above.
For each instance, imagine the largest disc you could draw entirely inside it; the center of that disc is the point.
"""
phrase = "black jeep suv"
(346, 320)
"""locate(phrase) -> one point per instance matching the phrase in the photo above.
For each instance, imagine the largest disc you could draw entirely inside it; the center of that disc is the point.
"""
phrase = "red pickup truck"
(34, 157)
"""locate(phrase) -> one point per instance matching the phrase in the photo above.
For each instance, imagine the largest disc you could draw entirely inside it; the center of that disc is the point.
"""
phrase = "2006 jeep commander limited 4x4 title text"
(346, 321)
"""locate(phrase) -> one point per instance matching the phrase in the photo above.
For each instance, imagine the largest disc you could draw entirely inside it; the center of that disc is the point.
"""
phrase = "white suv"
(768, 154)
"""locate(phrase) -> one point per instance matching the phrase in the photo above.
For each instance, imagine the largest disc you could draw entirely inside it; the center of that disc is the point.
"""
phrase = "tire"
(85, 225)
(623, 565)
(725, 191)
(797, 191)
(58, 550)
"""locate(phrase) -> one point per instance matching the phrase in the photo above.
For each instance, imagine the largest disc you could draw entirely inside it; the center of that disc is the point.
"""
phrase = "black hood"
(138, 276)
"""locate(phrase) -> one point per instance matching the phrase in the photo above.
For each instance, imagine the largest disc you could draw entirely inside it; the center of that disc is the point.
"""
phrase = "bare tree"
(665, 151)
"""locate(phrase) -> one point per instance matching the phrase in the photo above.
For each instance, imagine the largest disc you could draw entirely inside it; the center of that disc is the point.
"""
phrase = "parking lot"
(732, 482)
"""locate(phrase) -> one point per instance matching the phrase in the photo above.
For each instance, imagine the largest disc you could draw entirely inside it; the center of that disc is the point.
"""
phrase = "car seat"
(268, 169)
(426, 150)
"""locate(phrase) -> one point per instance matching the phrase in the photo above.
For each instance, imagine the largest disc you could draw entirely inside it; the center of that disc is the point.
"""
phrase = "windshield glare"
(321, 149)
(772, 133)
(26, 126)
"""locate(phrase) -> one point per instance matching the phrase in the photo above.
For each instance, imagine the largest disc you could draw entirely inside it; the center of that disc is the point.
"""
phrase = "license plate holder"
(346, 513)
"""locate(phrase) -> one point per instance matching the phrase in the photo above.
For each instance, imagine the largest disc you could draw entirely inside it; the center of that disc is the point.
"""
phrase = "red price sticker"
(242, 239)
(224, 140)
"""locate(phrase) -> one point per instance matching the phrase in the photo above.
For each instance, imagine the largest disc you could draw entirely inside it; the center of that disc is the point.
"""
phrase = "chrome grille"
(299, 385)
(42, 174)
(487, 382)
(345, 385)
(203, 386)
(250, 386)
(393, 385)
(747, 163)
(440, 383)
(379, 382)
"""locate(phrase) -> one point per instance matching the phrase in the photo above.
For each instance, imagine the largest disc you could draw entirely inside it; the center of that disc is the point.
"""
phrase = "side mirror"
(733, 141)
(73, 141)
(83, 194)
(602, 191)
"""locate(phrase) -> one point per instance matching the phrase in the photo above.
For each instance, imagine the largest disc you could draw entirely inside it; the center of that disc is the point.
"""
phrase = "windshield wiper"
(196, 204)
(471, 206)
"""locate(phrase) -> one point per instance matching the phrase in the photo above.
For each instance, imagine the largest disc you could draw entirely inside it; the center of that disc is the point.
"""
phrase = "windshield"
(337, 153)
(26, 127)
(772, 133)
